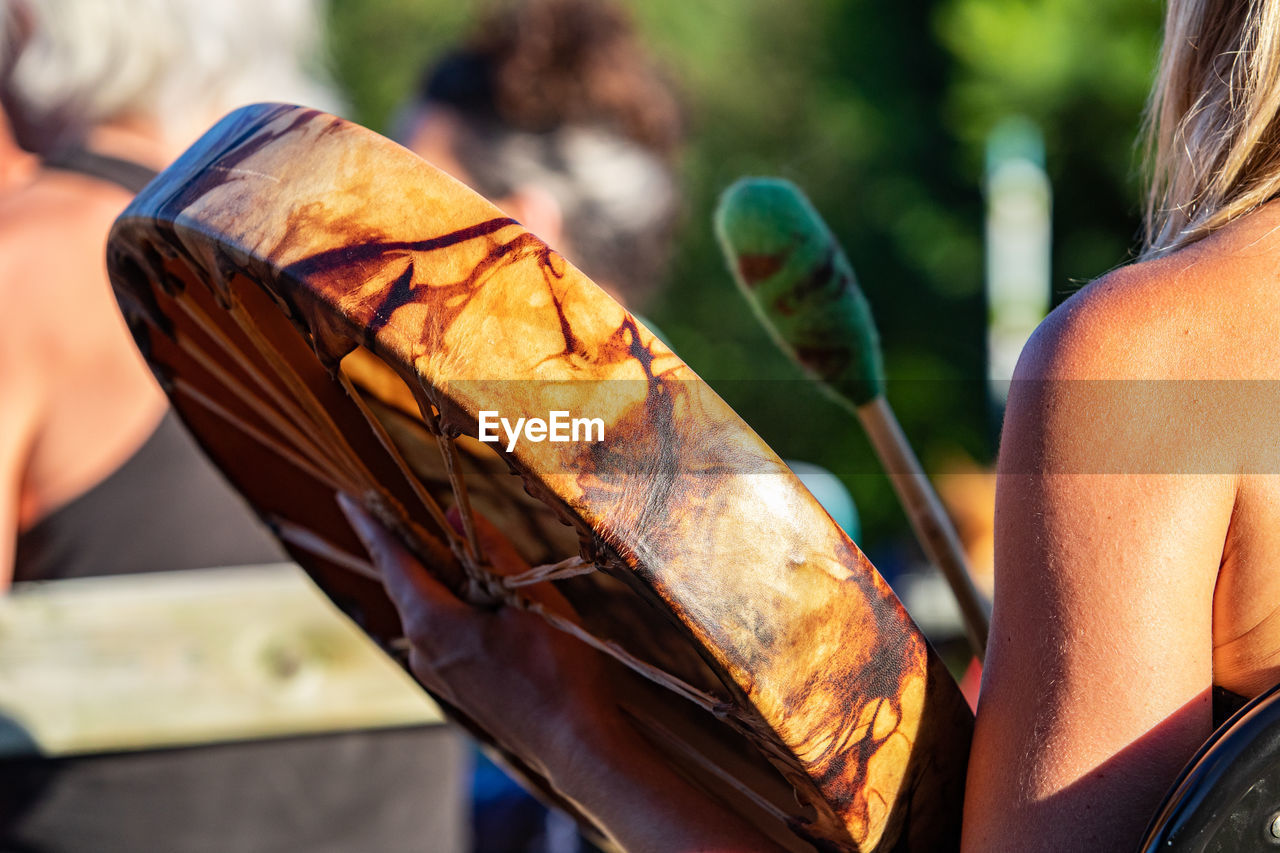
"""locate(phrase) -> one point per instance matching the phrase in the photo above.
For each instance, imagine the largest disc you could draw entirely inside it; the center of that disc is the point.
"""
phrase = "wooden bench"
(133, 662)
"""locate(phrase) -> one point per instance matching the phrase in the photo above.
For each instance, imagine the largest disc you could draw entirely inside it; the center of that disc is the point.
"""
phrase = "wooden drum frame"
(323, 307)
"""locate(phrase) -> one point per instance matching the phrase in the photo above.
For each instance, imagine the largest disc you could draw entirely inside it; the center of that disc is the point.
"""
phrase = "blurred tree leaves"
(1081, 70)
(879, 111)
(378, 49)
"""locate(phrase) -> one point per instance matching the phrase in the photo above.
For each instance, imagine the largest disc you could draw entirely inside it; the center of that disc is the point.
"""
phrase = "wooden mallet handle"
(929, 520)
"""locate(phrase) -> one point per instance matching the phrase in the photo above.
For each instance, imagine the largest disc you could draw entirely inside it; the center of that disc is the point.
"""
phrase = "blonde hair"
(1213, 139)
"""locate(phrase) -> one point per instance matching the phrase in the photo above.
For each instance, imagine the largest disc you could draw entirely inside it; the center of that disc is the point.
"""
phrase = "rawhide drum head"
(329, 313)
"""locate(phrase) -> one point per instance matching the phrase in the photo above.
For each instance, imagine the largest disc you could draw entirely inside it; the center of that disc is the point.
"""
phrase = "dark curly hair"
(562, 95)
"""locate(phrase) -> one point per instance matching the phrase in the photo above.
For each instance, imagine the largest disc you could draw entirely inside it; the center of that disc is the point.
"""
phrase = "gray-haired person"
(97, 477)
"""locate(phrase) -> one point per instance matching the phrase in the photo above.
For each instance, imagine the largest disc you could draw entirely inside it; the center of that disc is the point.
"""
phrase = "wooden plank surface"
(184, 658)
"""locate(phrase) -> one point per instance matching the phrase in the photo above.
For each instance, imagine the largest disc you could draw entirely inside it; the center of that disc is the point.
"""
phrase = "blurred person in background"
(554, 110)
(98, 477)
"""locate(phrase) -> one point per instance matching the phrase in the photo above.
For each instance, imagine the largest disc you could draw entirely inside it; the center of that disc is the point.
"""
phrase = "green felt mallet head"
(797, 278)
(794, 273)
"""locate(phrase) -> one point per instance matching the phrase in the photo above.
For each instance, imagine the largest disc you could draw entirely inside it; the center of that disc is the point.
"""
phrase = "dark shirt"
(165, 508)
(168, 508)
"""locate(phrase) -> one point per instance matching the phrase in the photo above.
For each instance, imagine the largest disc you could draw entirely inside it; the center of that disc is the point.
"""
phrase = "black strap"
(124, 173)
(1225, 704)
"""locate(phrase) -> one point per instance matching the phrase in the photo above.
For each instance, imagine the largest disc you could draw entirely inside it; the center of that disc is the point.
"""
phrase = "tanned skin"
(1137, 539)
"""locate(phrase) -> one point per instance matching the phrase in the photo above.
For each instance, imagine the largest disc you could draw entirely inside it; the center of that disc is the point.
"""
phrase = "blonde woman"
(1138, 515)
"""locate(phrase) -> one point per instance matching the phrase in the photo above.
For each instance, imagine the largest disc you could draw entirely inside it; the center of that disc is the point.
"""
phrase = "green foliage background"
(879, 111)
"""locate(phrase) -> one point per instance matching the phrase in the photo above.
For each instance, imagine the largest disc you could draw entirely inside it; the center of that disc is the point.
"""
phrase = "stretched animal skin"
(305, 290)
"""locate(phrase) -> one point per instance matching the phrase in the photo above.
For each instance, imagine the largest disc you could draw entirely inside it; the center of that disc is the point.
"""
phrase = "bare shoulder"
(1122, 377)
(69, 208)
(1098, 672)
(53, 283)
(1208, 311)
(53, 229)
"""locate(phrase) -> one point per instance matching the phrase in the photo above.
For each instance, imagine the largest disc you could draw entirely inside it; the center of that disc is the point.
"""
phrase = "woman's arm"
(1110, 523)
(544, 694)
